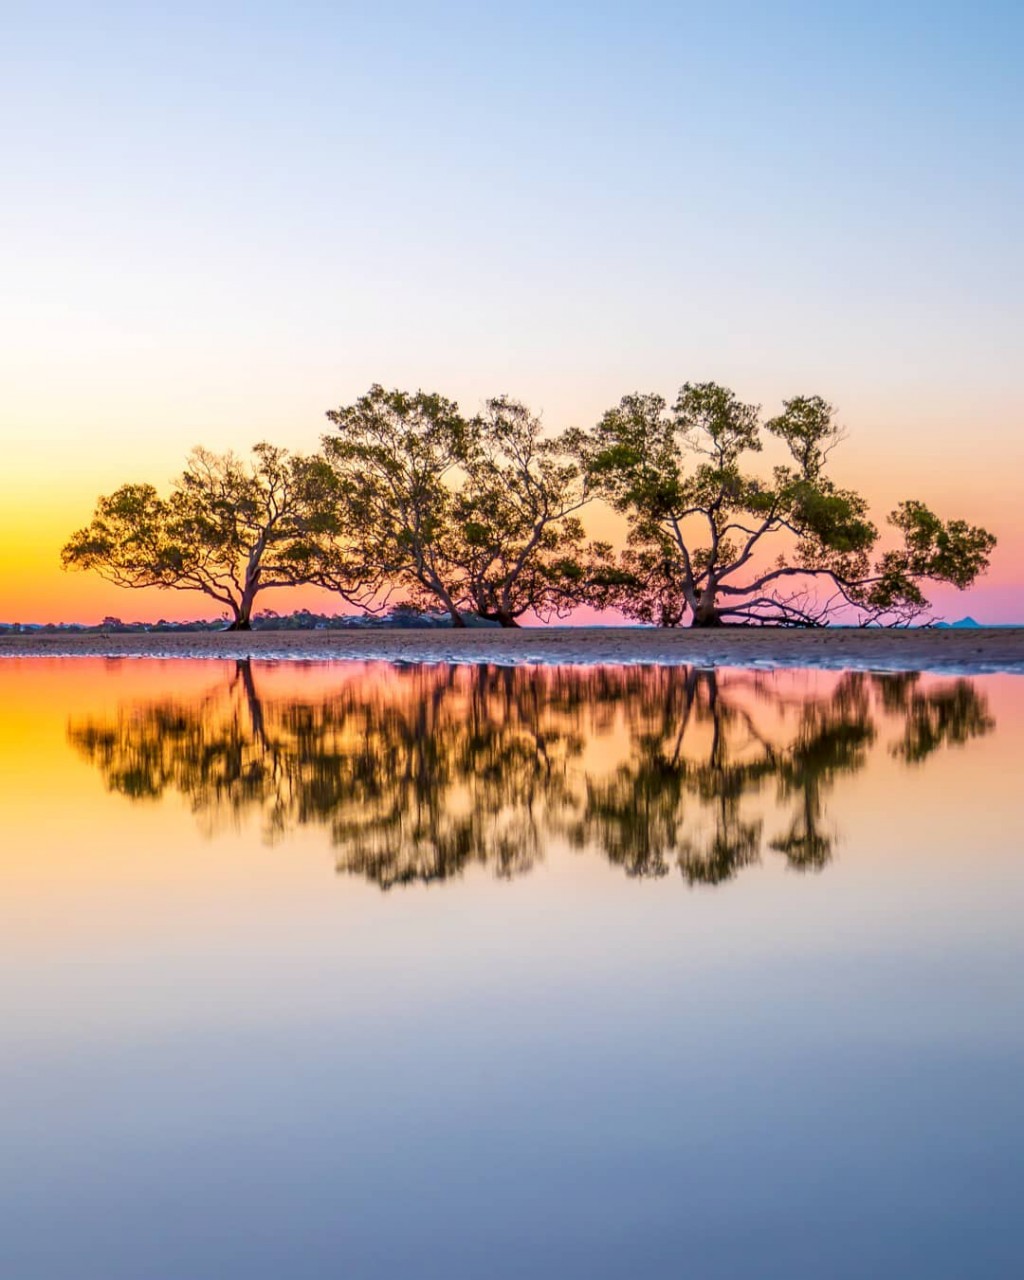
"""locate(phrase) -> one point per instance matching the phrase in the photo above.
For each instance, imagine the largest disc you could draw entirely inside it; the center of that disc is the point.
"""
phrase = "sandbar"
(980, 649)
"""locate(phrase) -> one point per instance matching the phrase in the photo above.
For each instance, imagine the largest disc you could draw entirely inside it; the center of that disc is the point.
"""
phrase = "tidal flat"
(908, 649)
(454, 969)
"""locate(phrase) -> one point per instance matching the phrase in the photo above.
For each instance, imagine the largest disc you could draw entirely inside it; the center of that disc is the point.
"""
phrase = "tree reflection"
(704, 755)
(421, 774)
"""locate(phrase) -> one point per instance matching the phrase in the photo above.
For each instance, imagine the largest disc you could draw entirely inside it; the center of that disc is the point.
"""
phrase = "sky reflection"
(220, 1059)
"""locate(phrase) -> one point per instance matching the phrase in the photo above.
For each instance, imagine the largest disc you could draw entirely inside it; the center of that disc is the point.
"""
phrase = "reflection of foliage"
(440, 768)
(832, 739)
(417, 788)
(637, 816)
(952, 714)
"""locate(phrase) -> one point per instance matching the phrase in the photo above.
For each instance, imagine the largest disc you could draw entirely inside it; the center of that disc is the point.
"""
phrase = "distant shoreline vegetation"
(410, 504)
(402, 618)
(301, 620)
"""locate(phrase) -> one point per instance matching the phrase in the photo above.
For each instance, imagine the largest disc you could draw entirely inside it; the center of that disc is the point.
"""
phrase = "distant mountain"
(960, 622)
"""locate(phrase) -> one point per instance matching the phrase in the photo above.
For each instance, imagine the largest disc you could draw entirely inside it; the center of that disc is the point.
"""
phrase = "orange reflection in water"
(192, 843)
(421, 774)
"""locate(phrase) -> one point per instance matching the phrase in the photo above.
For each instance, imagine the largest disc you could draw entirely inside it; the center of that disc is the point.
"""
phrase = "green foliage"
(635, 461)
(126, 539)
(951, 551)
(474, 514)
(808, 428)
(520, 545)
(714, 422)
(697, 512)
(228, 529)
(390, 460)
(644, 585)
(481, 516)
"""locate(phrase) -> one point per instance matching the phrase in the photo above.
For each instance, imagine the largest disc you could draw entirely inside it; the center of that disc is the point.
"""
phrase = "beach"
(980, 649)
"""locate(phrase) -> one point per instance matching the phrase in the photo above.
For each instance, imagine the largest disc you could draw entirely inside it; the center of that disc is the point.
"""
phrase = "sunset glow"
(220, 225)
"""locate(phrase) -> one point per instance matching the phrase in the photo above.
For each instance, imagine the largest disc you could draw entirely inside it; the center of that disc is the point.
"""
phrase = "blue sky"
(638, 178)
(220, 220)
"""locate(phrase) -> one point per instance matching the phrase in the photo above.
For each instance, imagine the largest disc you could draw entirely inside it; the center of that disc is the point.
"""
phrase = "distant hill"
(969, 622)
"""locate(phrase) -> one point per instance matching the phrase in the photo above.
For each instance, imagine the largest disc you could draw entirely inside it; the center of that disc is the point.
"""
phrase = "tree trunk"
(501, 616)
(705, 614)
(243, 619)
(442, 595)
(243, 671)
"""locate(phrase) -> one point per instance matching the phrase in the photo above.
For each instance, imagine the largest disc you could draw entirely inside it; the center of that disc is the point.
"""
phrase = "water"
(367, 971)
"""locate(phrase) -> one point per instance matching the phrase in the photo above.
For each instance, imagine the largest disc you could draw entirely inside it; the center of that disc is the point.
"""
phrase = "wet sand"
(981, 649)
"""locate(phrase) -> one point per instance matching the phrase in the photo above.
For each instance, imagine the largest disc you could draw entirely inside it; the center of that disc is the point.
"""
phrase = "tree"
(390, 461)
(646, 584)
(696, 512)
(520, 545)
(228, 528)
(477, 515)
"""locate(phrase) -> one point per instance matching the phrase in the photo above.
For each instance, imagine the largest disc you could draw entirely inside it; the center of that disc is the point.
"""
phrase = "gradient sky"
(220, 220)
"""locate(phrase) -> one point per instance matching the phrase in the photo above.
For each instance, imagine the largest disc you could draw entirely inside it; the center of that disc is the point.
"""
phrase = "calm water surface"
(375, 971)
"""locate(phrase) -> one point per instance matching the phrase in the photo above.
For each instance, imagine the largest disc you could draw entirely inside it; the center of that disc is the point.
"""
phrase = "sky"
(218, 221)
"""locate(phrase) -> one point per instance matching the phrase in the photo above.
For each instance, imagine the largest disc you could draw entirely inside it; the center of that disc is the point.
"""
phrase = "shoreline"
(974, 650)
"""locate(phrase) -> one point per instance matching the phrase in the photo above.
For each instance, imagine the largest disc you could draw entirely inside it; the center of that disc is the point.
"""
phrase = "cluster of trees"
(438, 769)
(480, 516)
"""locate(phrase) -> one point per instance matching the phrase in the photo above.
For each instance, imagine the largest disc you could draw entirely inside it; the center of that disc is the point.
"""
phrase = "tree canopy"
(482, 517)
(390, 460)
(473, 515)
(701, 521)
(228, 528)
(521, 545)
